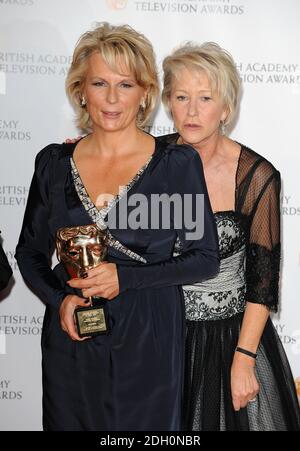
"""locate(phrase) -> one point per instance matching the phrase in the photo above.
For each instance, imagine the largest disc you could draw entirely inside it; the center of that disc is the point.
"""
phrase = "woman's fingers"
(94, 271)
(101, 271)
(244, 384)
(67, 319)
(102, 281)
(87, 289)
(70, 328)
(84, 302)
(79, 283)
(87, 281)
(253, 396)
(236, 404)
(242, 400)
(72, 140)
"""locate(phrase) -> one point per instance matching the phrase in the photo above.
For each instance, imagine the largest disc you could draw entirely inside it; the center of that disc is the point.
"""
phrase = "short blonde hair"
(114, 44)
(217, 63)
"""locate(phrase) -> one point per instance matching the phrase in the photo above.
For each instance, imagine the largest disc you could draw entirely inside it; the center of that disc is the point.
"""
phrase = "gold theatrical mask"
(79, 249)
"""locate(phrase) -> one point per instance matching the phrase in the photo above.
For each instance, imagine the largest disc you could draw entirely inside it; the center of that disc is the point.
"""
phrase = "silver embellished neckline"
(98, 216)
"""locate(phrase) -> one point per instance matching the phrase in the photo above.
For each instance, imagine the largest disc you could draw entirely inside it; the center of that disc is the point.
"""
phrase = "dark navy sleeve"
(199, 259)
(5, 269)
(36, 245)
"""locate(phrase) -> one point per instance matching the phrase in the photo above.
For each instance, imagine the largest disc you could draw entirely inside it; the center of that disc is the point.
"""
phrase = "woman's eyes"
(202, 98)
(98, 83)
(122, 85)
(126, 85)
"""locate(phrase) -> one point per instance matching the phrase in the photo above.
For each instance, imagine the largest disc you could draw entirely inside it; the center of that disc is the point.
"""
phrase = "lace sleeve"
(263, 250)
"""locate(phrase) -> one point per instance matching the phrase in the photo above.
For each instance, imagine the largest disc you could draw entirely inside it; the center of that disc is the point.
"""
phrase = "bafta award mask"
(81, 248)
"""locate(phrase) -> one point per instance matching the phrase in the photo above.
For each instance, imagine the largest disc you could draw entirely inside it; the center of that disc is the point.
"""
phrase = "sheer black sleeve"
(263, 249)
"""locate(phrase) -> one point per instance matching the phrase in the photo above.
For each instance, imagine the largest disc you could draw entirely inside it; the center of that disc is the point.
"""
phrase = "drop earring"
(83, 102)
(223, 128)
(143, 104)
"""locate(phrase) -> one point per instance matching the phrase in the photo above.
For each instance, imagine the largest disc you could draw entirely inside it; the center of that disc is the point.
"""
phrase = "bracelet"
(244, 351)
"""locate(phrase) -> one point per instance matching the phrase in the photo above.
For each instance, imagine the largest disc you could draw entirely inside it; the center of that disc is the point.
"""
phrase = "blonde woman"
(237, 376)
(130, 379)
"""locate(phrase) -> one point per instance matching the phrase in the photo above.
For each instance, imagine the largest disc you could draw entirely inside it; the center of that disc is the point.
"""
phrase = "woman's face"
(196, 111)
(112, 99)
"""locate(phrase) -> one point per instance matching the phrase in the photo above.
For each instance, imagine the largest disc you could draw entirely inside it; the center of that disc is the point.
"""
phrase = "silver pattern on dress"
(224, 295)
(98, 216)
(177, 247)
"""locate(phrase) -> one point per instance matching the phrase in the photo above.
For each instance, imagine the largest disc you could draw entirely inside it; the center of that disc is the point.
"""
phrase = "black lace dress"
(249, 243)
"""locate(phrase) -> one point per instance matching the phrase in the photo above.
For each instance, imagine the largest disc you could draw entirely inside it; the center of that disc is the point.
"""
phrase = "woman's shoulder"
(171, 138)
(255, 165)
(182, 162)
(172, 152)
(53, 152)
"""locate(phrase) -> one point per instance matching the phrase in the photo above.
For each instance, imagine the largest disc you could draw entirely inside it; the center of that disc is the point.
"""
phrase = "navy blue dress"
(130, 379)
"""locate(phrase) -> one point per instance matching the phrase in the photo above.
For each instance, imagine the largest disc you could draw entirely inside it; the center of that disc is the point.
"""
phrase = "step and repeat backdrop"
(37, 38)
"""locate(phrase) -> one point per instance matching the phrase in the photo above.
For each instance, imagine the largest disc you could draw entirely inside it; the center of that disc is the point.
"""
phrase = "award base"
(91, 321)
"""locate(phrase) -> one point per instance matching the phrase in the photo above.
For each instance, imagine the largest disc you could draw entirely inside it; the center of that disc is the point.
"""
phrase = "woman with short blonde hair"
(218, 65)
(115, 44)
(237, 376)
